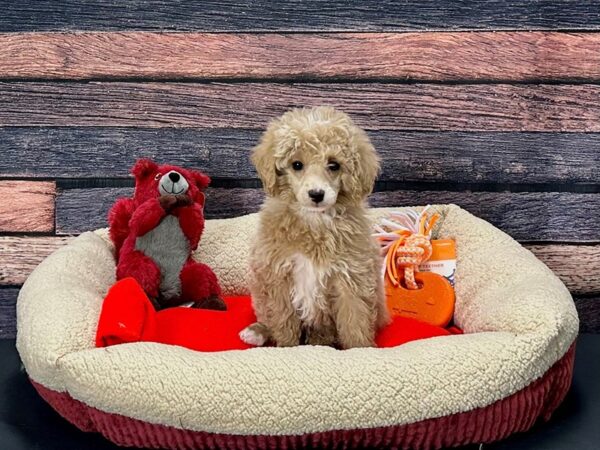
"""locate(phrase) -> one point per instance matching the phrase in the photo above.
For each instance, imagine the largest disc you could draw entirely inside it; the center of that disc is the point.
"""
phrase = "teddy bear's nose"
(174, 177)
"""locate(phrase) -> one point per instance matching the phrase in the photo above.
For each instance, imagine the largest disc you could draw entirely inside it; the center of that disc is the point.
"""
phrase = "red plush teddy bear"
(156, 231)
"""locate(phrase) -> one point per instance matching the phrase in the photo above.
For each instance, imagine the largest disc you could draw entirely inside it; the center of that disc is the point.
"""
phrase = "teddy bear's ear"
(202, 180)
(143, 168)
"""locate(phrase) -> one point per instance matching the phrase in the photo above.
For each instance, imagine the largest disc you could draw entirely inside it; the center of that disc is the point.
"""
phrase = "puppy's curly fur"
(315, 269)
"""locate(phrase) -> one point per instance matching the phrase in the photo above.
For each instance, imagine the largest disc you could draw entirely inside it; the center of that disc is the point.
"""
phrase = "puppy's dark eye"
(157, 176)
(297, 165)
(333, 166)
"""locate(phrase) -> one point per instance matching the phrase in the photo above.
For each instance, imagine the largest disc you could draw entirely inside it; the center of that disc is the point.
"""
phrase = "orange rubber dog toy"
(425, 296)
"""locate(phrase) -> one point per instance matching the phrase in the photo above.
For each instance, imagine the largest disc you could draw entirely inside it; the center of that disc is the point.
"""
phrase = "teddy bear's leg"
(139, 266)
(199, 284)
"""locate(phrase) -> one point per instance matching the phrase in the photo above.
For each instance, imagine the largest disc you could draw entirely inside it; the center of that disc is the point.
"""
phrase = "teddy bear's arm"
(146, 217)
(118, 221)
(191, 221)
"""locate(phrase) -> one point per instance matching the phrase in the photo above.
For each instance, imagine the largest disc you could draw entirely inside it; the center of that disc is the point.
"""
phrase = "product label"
(443, 267)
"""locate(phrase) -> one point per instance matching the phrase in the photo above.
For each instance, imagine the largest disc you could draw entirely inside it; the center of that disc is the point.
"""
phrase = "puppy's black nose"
(174, 177)
(316, 195)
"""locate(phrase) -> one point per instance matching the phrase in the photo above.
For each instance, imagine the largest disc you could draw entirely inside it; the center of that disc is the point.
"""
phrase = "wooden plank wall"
(493, 105)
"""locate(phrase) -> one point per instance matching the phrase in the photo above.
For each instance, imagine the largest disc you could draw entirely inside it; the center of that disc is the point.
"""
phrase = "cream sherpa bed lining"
(518, 317)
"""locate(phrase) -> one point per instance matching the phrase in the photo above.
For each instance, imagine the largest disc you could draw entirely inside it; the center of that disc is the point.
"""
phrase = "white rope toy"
(405, 241)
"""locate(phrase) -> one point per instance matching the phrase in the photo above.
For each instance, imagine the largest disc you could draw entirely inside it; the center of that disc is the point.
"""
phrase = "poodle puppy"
(315, 270)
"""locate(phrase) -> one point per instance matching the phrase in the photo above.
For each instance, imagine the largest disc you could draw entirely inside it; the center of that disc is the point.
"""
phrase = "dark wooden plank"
(481, 107)
(91, 152)
(429, 56)
(8, 312)
(73, 217)
(588, 309)
(527, 216)
(297, 15)
(27, 206)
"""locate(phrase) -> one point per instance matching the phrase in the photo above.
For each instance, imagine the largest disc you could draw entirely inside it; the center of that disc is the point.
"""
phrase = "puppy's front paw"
(256, 334)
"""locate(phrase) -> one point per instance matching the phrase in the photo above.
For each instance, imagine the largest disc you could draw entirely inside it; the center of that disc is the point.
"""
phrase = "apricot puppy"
(315, 269)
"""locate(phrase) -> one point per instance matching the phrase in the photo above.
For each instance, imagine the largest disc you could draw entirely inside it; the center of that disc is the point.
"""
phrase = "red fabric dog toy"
(156, 231)
(128, 316)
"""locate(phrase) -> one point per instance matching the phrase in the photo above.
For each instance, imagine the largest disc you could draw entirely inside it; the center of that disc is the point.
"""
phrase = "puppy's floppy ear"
(367, 167)
(143, 167)
(264, 160)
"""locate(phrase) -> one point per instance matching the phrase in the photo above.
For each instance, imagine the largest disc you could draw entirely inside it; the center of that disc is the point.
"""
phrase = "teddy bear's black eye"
(297, 165)
(334, 166)
(157, 176)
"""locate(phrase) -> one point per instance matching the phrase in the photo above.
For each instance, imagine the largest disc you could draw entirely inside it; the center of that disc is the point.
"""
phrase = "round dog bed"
(512, 365)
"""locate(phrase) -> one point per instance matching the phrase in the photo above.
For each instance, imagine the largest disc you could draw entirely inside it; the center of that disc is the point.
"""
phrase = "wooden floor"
(492, 105)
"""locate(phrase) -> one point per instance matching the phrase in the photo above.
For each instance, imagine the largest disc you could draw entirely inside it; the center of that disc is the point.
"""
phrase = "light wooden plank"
(578, 266)
(19, 255)
(423, 107)
(297, 15)
(27, 206)
(429, 56)
(91, 152)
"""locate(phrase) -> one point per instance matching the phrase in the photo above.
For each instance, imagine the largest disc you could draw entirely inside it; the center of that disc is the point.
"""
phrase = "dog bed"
(512, 365)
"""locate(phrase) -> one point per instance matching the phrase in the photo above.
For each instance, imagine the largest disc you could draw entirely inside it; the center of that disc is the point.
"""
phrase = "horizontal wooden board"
(578, 266)
(19, 255)
(587, 307)
(375, 106)
(8, 312)
(27, 206)
(91, 152)
(297, 15)
(505, 56)
(86, 209)
(527, 216)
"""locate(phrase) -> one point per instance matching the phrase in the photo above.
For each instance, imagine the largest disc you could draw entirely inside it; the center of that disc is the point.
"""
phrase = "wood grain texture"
(8, 312)
(588, 309)
(504, 56)
(19, 255)
(527, 216)
(91, 152)
(86, 209)
(376, 106)
(297, 15)
(27, 206)
(578, 266)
